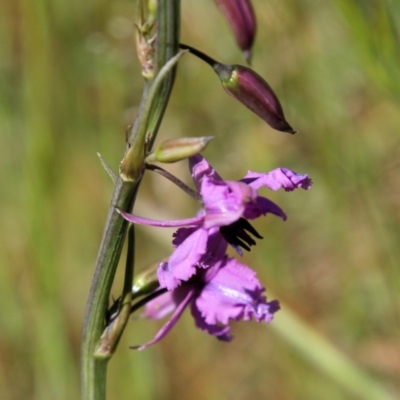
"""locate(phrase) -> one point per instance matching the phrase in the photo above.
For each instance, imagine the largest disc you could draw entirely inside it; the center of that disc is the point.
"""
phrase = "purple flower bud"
(241, 19)
(250, 89)
(254, 92)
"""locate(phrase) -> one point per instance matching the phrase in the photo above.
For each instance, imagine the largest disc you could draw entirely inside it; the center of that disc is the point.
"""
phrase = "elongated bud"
(253, 91)
(241, 19)
(146, 281)
(174, 150)
(250, 89)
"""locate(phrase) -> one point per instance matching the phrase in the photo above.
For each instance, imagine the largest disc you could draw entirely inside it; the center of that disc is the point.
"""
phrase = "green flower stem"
(171, 17)
(94, 369)
(112, 334)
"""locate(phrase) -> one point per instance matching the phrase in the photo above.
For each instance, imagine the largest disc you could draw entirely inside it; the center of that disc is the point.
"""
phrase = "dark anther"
(237, 235)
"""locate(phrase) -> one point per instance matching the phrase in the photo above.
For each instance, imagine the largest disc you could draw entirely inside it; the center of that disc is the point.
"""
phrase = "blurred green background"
(70, 84)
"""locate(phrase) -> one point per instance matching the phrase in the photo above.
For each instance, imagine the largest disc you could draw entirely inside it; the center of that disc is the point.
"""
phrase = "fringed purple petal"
(234, 292)
(182, 263)
(166, 278)
(216, 244)
(221, 332)
(277, 179)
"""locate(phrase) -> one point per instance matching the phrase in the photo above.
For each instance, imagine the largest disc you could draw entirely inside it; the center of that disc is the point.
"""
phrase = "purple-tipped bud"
(174, 150)
(241, 19)
(253, 91)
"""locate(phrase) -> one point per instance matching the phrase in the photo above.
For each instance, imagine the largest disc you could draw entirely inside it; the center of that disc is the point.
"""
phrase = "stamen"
(235, 234)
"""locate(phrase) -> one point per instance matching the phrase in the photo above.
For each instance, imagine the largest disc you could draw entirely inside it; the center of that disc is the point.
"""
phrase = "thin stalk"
(199, 54)
(94, 369)
(93, 373)
(112, 334)
(176, 181)
(171, 17)
(146, 299)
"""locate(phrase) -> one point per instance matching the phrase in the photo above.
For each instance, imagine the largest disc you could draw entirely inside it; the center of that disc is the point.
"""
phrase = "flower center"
(238, 235)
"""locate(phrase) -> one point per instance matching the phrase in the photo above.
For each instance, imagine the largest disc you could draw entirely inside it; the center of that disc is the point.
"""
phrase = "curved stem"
(176, 181)
(210, 61)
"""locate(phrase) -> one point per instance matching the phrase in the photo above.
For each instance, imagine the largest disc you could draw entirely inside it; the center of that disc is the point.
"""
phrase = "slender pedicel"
(176, 181)
(146, 299)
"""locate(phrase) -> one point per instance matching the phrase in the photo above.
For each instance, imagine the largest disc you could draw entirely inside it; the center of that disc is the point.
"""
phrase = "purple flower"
(223, 220)
(225, 291)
